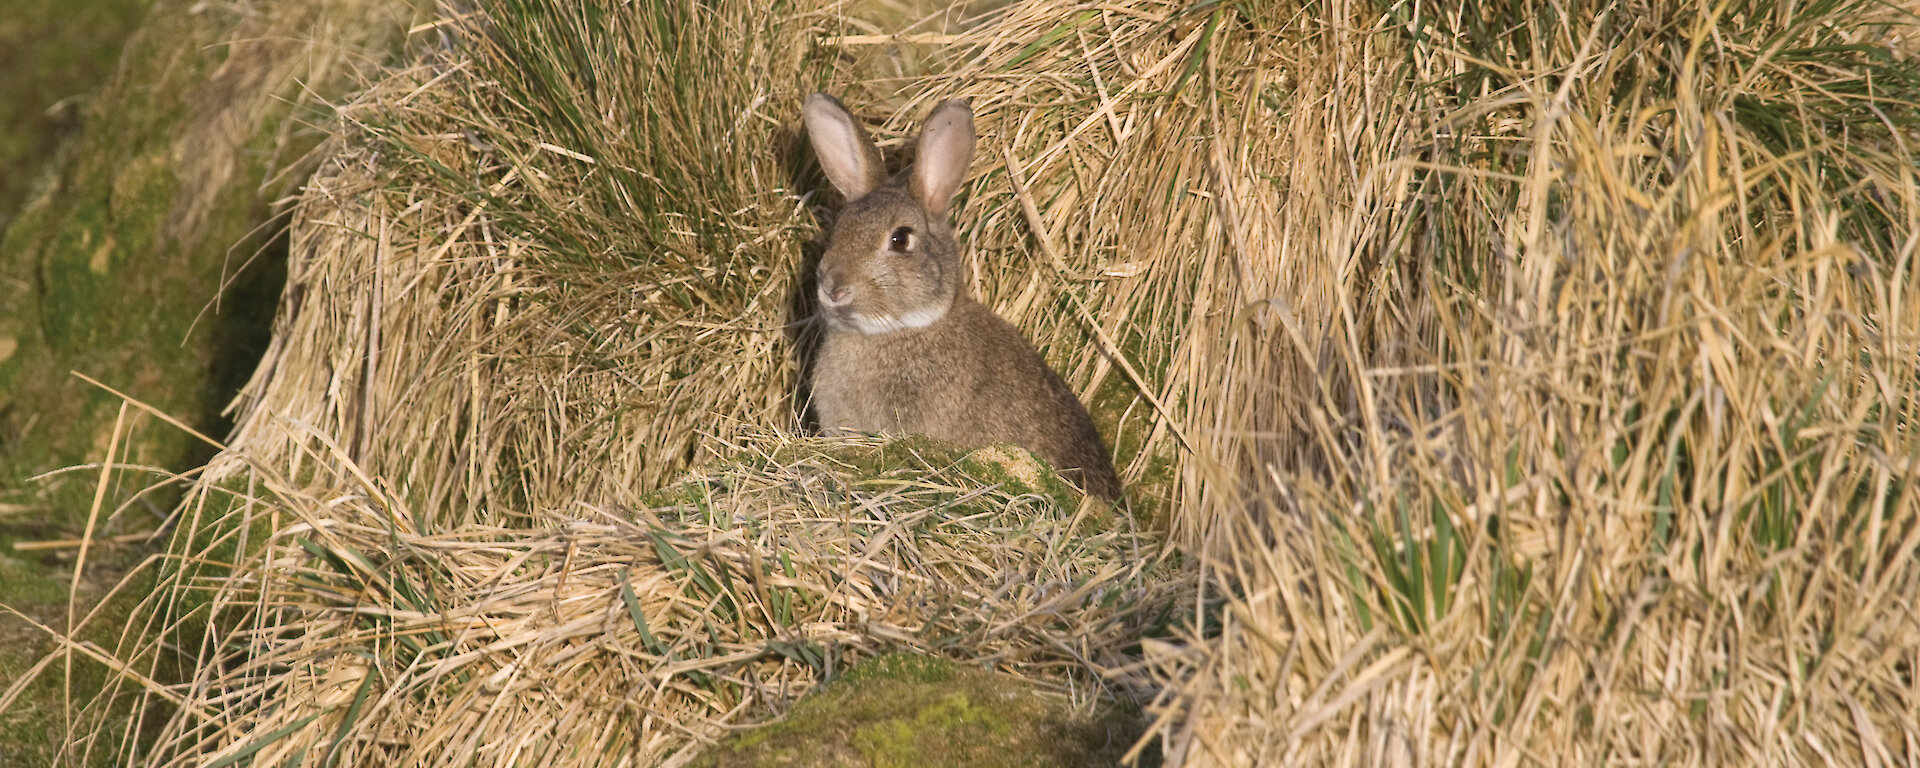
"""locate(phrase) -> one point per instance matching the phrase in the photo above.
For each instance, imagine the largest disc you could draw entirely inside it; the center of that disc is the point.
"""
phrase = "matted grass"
(1526, 386)
(455, 523)
(1604, 444)
(621, 635)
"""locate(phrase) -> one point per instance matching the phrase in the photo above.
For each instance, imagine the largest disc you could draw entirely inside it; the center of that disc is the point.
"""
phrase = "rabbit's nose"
(831, 294)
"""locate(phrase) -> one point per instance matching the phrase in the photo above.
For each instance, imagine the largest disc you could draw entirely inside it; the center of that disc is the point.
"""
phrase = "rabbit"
(904, 349)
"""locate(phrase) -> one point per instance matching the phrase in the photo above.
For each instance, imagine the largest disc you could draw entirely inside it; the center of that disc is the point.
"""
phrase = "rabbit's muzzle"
(836, 300)
(870, 312)
(832, 294)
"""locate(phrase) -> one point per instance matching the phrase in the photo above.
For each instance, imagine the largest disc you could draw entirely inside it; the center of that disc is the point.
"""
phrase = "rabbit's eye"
(901, 240)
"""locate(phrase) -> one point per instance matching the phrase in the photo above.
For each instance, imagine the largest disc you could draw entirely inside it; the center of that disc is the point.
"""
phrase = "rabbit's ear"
(946, 146)
(851, 160)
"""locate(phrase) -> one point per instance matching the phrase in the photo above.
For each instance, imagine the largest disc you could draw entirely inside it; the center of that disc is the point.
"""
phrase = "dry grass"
(1525, 387)
(598, 636)
(455, 523)
(1599, 451)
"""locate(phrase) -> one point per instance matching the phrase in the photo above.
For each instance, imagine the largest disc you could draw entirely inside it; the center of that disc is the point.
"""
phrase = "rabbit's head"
(890, 263)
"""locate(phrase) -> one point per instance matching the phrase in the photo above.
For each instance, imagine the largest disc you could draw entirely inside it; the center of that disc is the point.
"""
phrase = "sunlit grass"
(1528, 384)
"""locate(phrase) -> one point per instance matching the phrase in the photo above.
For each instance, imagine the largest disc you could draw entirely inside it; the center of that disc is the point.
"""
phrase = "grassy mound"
(358, 631)
(1603, 451)
(1523, 384)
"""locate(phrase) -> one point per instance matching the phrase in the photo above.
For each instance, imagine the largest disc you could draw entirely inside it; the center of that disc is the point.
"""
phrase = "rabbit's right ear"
(946, 147)
(849, 157)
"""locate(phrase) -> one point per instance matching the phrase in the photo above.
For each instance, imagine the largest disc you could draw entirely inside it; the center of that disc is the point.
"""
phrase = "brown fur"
(904, 350)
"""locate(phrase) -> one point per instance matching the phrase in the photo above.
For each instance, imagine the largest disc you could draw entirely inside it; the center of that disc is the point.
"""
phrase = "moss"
(124, 266)
(32, 729)
(127, 266)
(898, 741)
(114, 286)
(53, 51)
(220, 542)
(902, 667)
(1149, 495)
(29, 583)
(1021, 472)
(911, 710)
(909, 453)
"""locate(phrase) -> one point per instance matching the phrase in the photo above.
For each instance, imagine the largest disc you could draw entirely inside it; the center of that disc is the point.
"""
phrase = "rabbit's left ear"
(946, 147)
(849, 157)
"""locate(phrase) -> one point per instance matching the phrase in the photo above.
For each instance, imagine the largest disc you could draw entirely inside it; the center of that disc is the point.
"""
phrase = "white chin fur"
(919, 318)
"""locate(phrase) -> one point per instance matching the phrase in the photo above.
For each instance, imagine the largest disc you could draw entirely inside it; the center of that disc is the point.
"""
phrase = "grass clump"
(500, 501)
(1516, 380)
(367, 637)
(611, 261)
(1610, 386)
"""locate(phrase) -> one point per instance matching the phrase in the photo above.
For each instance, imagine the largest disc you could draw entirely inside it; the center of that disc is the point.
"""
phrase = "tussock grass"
(622, 635)
(1601, 451)
(598, 257)
(1522, 385)
(531, 287)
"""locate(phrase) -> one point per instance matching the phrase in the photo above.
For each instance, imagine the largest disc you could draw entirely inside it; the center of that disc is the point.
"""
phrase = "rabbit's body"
(968, 379)
(904, 350)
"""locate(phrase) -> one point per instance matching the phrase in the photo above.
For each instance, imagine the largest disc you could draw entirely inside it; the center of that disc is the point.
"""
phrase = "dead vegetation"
(1521, 387)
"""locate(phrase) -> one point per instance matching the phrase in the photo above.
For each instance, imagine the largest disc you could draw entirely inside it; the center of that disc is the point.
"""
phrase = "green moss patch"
(924, 712)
